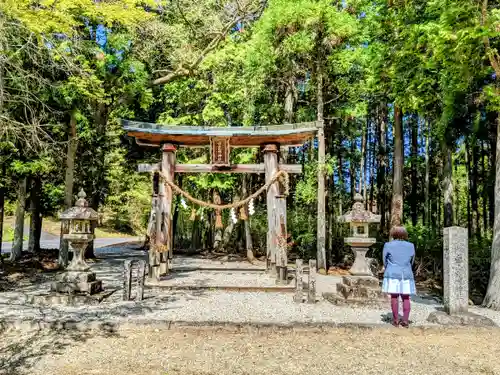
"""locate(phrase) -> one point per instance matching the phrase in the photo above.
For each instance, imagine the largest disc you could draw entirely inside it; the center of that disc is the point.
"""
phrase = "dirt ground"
(150, 351)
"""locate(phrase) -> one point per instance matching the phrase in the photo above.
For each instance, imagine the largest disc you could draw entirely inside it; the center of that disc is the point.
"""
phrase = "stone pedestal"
(456, 270)
(77, 282)
(358, 290)
(360, 246)
(360, 287)
(78, 278)
(360, 266)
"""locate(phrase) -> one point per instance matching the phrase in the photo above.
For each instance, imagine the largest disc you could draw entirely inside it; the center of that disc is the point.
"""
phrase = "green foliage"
(128, 206)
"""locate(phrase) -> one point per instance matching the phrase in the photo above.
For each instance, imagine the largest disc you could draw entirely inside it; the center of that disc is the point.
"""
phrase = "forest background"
(407, 90)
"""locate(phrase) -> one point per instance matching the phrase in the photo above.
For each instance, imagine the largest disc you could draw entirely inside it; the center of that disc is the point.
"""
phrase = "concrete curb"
(229, 327)
(222, 288)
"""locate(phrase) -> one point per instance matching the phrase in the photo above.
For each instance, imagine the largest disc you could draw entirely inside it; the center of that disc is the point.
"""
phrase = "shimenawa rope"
(280, 175)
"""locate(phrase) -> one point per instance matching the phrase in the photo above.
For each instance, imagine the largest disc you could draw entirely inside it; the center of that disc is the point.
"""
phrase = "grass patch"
(7, 234)
(53, 226)
(8, 230)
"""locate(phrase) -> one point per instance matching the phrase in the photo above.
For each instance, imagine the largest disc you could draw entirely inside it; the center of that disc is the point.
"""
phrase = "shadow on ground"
(387, 318)
(25, 348)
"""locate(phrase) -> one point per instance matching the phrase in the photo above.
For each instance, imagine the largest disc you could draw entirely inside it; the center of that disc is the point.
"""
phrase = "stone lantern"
(361, 286)
(78, 278)
(359, 220)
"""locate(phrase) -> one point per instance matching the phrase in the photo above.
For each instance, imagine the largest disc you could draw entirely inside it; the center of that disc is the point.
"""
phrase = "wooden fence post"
(299, 283)
(311, 293)
(127, 279)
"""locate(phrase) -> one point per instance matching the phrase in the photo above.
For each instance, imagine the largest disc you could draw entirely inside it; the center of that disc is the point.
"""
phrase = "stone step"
(339, 300)
(77, 287)
(348, 291)
(76, 277)
(367, 281)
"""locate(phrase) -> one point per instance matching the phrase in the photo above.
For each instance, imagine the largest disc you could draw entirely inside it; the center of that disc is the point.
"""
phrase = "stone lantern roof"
(358, 214)
(81, 210)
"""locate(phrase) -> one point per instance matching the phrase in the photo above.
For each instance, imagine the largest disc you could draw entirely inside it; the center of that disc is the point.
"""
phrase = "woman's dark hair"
(398, 233)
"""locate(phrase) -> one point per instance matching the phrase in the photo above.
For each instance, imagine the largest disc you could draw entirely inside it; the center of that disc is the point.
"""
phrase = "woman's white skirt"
(398, 286)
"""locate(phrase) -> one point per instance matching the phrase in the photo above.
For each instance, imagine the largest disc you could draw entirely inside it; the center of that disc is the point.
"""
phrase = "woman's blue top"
(398, 259)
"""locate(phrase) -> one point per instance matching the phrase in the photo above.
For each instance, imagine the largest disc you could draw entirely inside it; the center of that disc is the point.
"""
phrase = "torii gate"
(221, 140)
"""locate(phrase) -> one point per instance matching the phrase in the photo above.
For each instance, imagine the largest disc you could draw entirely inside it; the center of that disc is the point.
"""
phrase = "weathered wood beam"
(208, 168)
(273, 206)
(166, 197)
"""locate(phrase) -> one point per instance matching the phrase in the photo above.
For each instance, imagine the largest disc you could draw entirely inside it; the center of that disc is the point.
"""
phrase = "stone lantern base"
(77, 282)
(359, 290)
(78, 278)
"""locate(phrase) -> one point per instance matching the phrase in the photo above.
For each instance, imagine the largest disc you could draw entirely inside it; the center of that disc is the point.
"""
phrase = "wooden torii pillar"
(161, 250)
(277, 259)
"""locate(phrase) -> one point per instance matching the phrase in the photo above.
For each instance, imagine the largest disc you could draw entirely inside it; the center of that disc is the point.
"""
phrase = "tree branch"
(212, 45)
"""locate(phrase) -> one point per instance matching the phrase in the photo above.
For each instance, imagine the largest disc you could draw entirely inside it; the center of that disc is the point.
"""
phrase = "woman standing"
(399, 255)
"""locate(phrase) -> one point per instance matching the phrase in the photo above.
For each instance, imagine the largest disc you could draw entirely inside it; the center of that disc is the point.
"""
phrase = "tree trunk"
(352, 169)
(492, 298)
(321, 223)
(68, 184)
(363, 163)
(341, 177)
(36, 216)
(484, 178)
(2, 206)
(17, 246)
(2, 177)
(372, 174)
(228, 231)
(397, 183)
(469, 184)
(427, 204)
(226, 236)
(99, 184)
(248, 232)
(447, 186)
(175, 219)
(456, 192)
(414, 175)
(2, 67)
(382, 164)
(290, 99)
(196, 234)
(331, 205)
(476, 217)
(491, 176)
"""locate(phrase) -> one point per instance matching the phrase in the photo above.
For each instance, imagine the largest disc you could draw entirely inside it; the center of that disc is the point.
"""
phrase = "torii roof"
(241, 136)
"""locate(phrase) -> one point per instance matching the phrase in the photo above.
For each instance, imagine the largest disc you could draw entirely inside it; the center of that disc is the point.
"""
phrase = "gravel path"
(230, 307)
(207, 352)
(161, 305)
